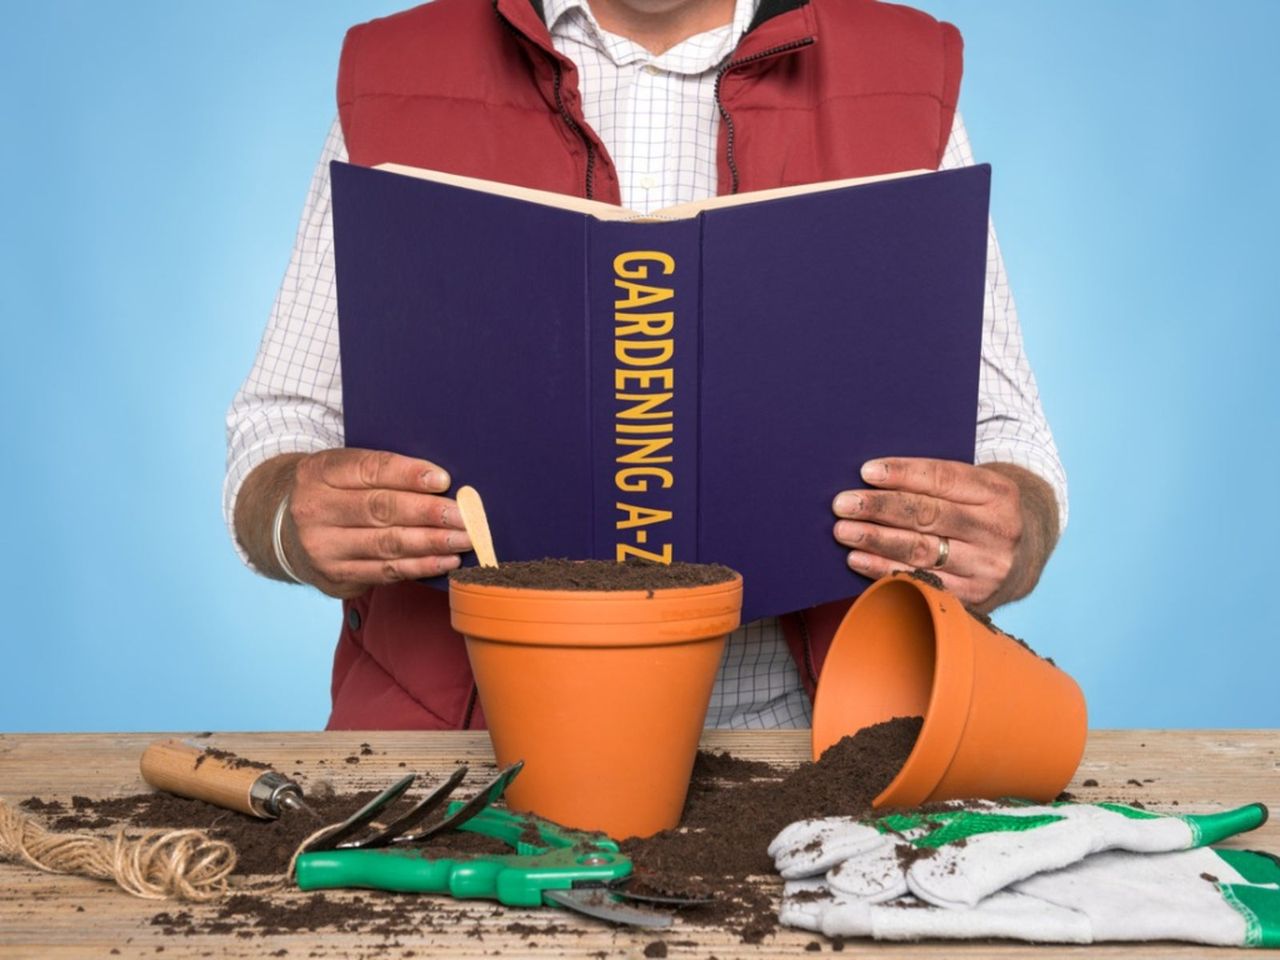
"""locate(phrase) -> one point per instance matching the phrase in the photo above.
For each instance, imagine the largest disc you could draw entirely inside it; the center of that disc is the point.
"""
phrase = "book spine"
(643, 316)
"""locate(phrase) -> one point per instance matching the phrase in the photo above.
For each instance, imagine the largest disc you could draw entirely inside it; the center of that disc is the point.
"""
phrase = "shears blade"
(600, 904)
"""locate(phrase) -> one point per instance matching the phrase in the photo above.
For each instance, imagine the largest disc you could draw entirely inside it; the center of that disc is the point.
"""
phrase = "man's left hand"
(985, 531)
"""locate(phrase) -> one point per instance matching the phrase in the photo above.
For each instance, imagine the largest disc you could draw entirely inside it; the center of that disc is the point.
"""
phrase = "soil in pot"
(553, 574)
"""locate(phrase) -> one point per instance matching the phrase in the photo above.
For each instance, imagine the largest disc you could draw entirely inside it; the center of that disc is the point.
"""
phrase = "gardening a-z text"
(644, 384)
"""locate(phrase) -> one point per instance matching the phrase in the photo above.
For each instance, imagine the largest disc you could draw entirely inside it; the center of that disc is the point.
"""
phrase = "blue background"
(156, 159)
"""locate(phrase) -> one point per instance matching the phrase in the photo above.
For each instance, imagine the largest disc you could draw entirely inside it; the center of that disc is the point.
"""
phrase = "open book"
(694, 384)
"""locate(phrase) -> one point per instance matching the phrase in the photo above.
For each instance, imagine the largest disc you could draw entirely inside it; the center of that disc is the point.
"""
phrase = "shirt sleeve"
(291, 401)
(1011, 423)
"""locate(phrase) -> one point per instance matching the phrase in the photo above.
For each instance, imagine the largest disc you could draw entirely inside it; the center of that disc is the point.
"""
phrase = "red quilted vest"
(817, 90)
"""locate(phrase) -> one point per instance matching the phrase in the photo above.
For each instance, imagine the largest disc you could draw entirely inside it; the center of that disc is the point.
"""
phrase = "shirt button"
(353, 618)
(651, 70)
(648, 182)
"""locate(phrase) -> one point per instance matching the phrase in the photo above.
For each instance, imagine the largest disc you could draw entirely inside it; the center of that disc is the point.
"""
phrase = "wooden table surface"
(47, 916)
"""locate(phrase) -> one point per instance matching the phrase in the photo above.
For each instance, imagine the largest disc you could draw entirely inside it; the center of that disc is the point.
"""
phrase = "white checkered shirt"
(658, 119)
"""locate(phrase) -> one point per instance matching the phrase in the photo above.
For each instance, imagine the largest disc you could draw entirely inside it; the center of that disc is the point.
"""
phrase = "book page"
(608, 211)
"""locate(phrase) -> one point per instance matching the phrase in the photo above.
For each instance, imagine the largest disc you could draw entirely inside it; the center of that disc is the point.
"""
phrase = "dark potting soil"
(231, 760)
(250, 915)
(262, 846)
(924, 576)
(990, 624)
(734, 808)
(730, 818)
(552, 574)
(935, 581)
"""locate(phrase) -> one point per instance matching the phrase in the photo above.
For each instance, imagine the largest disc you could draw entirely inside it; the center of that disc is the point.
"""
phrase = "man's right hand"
(356, 518)
(362, 517)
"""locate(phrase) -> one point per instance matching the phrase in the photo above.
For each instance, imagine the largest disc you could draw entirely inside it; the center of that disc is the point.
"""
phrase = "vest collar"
(780, 26)
(769, 9)
(528, 19)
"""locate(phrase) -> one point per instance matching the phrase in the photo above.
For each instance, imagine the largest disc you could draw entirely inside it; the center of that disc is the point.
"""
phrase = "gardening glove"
(1217, 897)
(957, 856)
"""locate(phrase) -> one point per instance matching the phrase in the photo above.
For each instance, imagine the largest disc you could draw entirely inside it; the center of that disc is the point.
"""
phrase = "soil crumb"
(933, 580)
(232, 761)
(552, 574)
(924, 576)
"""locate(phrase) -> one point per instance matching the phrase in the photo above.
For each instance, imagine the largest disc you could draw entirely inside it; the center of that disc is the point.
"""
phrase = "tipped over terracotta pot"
(999, 721)
(602, 692)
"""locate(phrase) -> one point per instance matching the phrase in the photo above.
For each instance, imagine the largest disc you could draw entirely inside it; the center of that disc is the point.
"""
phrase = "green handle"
(560, 859)
(517, 881)
(520, 830)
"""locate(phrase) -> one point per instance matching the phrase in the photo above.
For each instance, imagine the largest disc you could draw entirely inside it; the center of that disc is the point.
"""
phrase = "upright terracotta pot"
(601, 693)
(999, 721)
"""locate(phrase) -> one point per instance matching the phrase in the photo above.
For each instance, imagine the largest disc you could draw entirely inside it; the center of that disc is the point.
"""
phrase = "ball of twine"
(159, 865)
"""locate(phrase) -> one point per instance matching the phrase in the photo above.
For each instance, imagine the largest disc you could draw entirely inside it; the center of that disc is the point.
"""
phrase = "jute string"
(159, 865)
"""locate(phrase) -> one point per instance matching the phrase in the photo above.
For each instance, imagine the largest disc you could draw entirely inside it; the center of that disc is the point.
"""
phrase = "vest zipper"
(725, 115)
(573, 125)
(564, 111)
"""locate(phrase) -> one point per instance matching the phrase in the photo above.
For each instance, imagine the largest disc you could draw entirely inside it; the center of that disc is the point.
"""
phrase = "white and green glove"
(956, 857)
(1217, 897)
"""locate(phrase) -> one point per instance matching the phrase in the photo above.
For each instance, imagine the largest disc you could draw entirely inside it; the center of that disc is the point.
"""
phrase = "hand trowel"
(189, 770)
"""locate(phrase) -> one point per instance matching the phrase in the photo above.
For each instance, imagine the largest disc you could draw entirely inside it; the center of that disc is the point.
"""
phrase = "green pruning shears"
(551, 865)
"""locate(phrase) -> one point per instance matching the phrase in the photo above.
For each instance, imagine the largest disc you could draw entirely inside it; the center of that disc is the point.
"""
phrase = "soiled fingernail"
(848, 503)
(873, 471)
(859, 561)
(435, 480)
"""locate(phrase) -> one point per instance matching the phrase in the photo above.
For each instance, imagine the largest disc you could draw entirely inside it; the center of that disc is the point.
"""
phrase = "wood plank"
(51, 916)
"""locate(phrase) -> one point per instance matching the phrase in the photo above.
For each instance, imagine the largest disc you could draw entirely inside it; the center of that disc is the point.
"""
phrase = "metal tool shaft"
(190, 770)
(294, 801)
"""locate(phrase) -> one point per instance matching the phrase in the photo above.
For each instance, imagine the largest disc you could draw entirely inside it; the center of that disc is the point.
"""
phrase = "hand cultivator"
(550, 865)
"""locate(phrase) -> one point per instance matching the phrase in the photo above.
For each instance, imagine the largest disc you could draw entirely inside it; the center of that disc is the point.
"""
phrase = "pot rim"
(950, 696)
(947, 708)
(596, 596)
(596, 618)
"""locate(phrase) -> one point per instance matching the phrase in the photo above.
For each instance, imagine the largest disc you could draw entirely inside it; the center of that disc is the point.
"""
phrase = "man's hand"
(356, 518)
(1000, 523)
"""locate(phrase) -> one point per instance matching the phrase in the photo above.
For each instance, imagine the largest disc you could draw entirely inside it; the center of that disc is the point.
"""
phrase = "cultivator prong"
(347, 835)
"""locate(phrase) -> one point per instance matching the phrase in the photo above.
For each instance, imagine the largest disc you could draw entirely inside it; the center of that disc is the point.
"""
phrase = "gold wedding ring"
(944, 551)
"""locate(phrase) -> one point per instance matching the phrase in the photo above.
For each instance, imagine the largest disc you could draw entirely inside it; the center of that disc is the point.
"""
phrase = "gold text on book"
(644, 384)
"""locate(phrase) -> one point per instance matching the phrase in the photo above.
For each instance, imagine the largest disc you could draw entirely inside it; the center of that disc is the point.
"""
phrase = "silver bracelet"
(278, 543)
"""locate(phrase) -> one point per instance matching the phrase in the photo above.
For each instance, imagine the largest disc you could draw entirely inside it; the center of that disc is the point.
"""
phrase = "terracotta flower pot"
(601, 693)
(999, 721)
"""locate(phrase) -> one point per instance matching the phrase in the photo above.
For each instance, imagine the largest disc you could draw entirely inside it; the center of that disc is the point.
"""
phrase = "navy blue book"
(696, 385)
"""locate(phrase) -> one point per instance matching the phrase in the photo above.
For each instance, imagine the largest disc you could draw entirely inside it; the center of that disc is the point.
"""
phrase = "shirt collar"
(561, 13)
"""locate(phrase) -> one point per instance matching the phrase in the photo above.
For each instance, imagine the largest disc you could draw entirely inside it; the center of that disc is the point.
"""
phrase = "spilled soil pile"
(734, 809)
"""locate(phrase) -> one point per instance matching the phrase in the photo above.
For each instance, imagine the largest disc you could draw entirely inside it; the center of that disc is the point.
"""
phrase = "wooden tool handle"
(189, 771)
